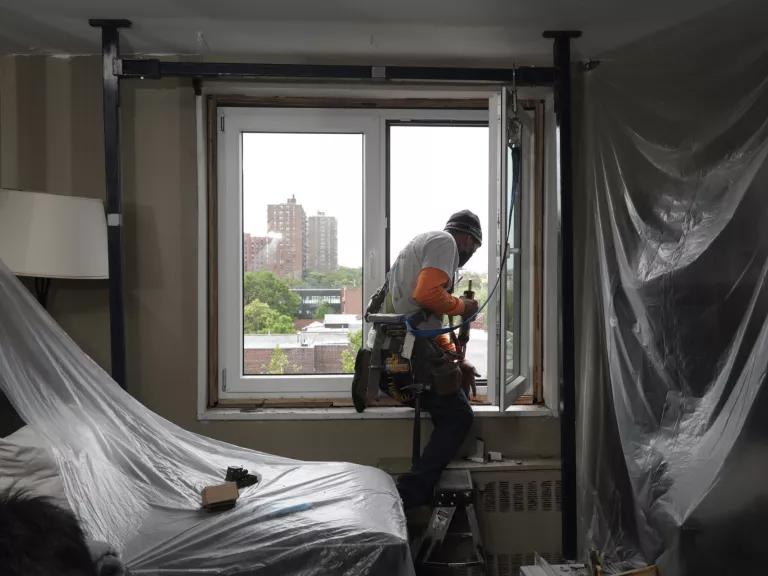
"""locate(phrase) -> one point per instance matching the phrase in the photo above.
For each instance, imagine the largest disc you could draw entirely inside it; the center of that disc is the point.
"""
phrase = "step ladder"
(451, 543)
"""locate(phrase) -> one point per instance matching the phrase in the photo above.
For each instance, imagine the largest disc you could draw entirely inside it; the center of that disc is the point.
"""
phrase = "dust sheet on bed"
(134, 478)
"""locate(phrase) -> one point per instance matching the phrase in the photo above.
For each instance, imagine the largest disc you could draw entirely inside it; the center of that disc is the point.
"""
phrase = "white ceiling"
(448, 32)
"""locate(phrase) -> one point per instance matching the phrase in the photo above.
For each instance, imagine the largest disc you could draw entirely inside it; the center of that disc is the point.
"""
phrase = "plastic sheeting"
(673, 408)
(134, 479)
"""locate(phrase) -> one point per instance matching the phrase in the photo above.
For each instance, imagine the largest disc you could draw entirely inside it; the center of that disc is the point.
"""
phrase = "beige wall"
(51, 140)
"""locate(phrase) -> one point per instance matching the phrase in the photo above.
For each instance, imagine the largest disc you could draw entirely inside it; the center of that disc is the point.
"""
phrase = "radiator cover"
(519, 510)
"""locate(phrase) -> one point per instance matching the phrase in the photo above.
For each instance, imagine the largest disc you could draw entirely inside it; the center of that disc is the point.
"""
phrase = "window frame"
(216, 95)
(232, 121)
(528, 280)
(236, 121)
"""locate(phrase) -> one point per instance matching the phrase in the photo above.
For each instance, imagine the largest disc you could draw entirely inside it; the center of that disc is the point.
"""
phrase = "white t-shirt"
(427, 250)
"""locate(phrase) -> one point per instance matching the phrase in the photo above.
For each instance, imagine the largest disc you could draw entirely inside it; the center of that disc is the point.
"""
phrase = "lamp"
(52, 236)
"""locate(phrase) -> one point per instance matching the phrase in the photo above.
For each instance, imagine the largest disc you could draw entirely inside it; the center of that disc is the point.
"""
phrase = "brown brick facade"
(320, 359)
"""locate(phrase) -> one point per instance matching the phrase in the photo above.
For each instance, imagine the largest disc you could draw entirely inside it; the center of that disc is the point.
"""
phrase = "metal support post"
(110, 46)
(562, 61)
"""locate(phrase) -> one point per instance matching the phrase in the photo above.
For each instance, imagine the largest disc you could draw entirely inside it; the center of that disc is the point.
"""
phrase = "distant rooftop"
(301, 340)
(350, 319)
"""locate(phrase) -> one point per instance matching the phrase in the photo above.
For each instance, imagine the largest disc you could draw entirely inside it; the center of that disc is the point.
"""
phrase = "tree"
(279, 363)
(314, 279)
(342, 278)
(272, 291)
(322, 310)
(348, 356)
(259, 318)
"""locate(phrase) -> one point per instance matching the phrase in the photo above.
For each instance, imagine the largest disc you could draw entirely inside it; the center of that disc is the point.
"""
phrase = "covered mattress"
(134, 478)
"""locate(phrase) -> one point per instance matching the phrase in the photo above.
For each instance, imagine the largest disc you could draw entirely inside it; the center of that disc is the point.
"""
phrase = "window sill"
(397, 466)
(382, 413)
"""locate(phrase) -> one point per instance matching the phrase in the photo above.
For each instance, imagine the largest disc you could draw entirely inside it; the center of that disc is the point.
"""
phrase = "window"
(290, 312)
(302, 231)
(310, 206)
(522, 203)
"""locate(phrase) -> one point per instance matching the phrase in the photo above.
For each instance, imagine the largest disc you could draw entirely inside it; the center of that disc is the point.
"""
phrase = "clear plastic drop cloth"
(134, 479)
(673, 343)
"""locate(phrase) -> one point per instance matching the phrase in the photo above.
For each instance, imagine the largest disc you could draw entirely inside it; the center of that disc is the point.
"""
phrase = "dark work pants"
(452, 418)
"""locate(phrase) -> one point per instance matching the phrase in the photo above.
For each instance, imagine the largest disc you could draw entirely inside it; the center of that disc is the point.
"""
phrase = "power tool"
(463, 336)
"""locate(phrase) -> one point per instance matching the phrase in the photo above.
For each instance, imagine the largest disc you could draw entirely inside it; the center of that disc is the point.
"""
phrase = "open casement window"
(308, 207)
(521, 207)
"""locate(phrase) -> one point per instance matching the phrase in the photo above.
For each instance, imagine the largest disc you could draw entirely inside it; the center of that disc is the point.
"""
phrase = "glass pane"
(302, 252)
(434, 172)
(513, 272)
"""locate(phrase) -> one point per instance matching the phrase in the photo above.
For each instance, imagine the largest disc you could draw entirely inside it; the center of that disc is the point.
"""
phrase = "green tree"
(314, 279)
(322, 310)
(279, 363)
(343, 277)
(259, 318)
(346, 277)
(348, 356)
(272, 291)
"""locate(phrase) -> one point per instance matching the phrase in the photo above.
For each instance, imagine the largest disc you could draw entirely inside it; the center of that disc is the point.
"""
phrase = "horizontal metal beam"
(109, 23)
(525, 76)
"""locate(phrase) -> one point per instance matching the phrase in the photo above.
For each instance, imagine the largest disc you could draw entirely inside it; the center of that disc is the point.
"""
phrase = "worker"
(422, 280)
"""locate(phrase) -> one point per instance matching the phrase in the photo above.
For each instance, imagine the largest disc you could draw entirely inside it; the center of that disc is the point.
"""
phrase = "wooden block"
(220, 496)
(247, 404)
(298, 403)
(342, 403)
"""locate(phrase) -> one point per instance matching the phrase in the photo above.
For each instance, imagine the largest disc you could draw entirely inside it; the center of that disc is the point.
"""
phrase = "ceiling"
(455, 32)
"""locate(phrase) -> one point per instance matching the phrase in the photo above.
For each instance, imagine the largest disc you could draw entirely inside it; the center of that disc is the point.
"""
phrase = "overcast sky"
(435, 171)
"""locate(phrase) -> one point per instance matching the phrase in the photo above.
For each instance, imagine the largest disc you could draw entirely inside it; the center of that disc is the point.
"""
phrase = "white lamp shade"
(53, 236)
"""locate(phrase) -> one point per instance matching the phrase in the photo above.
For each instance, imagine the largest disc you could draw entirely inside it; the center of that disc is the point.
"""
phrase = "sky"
(434, 171)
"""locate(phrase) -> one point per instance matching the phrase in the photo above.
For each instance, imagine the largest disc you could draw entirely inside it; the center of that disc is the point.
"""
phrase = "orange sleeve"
(431, 293)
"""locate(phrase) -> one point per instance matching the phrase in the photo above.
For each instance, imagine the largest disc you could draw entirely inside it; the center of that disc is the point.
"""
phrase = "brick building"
(322, 243)
(289, 222)
(258, 253)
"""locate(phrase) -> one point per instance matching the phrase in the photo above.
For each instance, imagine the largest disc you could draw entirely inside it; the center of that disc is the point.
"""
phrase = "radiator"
(518, 509)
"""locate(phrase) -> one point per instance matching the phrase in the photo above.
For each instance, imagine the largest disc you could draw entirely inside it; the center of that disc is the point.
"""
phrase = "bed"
(134, 479)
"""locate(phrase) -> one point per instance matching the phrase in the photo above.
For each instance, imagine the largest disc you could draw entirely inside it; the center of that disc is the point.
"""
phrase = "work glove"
(468, 375)
(470, 306)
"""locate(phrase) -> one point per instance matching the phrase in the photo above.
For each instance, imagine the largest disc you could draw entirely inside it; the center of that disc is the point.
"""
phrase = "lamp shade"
(53, 236)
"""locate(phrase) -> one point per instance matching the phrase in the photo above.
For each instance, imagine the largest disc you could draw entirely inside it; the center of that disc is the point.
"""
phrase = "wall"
(51, 140)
